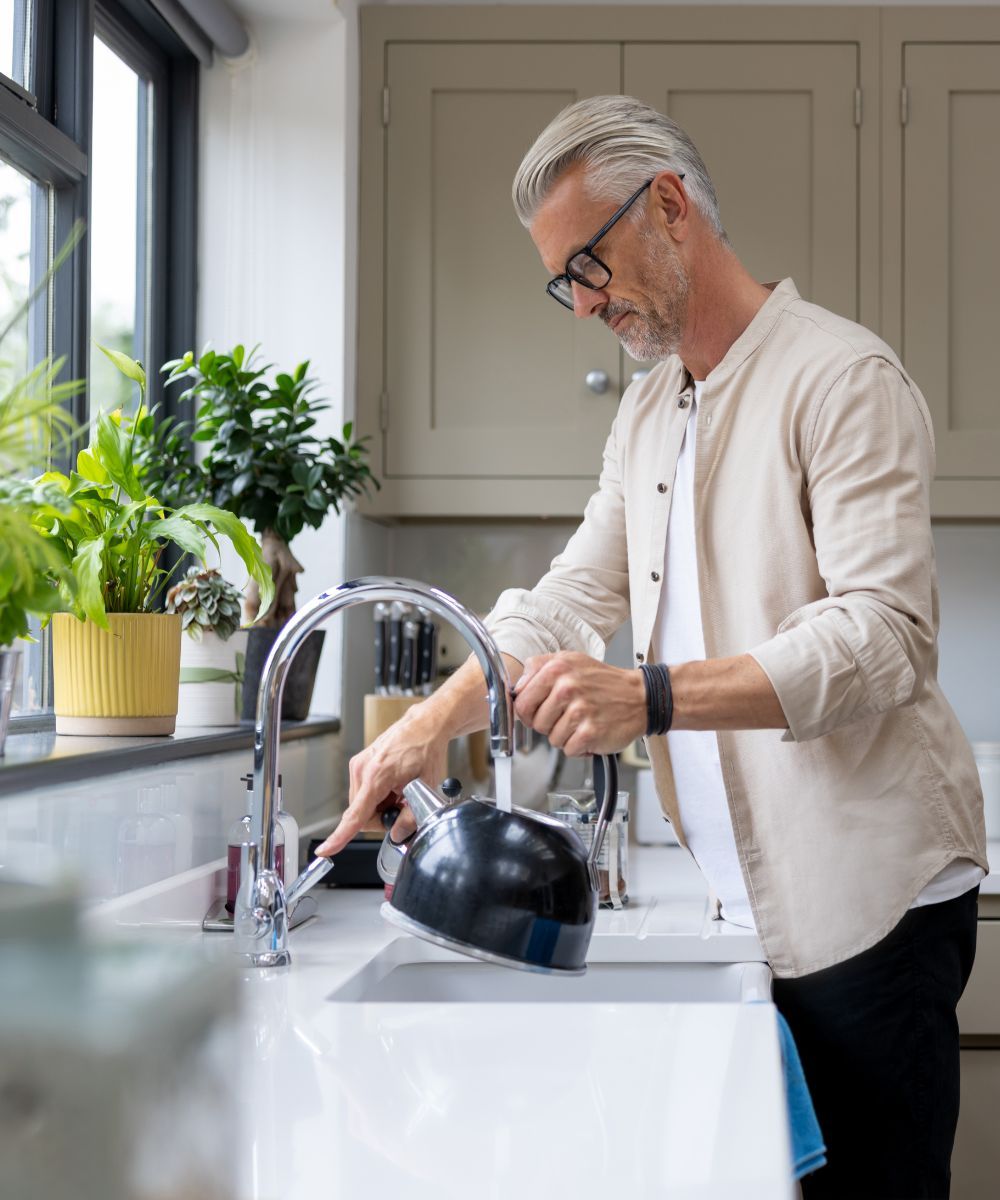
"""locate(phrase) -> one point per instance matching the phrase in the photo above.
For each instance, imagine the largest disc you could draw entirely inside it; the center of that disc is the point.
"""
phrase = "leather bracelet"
(659, 698)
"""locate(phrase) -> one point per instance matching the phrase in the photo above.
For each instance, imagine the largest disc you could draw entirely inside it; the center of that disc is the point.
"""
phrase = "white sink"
(411, 971)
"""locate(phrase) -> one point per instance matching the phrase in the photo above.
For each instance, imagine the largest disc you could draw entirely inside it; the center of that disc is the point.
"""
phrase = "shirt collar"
(782, 294)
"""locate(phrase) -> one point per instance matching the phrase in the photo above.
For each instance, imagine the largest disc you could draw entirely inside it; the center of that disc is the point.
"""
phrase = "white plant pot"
(211, 702)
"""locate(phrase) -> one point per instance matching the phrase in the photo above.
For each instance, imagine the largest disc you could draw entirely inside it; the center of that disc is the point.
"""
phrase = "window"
(98, 105)
(119, 221)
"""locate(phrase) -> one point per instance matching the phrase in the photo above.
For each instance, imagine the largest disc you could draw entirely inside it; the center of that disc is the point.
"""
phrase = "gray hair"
(621, 143)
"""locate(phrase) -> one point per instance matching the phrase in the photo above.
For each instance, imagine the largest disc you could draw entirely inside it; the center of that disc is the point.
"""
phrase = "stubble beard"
(656, 330)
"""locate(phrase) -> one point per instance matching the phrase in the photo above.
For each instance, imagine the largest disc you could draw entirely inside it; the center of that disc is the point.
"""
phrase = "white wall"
(277, 130)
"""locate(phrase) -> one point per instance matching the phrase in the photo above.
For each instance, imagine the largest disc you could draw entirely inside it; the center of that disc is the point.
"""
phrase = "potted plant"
(213, 648)
(116, 660)
(32, 417)
(264, 463)
(34, 423)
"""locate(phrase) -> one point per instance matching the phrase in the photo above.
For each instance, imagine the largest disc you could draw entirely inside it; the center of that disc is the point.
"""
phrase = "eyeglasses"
(583, 267)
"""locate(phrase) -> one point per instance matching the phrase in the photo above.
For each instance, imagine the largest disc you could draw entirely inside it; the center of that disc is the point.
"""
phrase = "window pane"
(15, 41)
(24, 256)
(118, 223)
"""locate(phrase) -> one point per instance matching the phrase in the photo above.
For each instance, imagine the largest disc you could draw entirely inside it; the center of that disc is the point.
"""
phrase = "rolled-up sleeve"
(866, 646)
(583, 599)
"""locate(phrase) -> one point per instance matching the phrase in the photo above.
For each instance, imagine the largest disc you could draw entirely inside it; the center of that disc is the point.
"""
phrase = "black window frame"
(46, 133)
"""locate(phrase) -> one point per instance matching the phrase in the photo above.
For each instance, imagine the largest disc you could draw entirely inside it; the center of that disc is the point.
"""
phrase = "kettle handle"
(606, 779)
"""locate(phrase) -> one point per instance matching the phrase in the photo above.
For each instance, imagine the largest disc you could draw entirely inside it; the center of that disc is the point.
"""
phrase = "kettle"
(516, 888)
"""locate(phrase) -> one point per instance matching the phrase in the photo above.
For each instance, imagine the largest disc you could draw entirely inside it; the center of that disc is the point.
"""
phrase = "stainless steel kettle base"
(401, 921)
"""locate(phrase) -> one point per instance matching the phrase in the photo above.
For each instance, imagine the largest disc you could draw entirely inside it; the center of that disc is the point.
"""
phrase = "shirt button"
(682, 402)
(661, 488)
(655, 576)
(639, 656)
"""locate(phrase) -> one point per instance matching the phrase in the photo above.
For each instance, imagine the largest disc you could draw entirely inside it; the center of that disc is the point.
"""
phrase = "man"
(763, 516)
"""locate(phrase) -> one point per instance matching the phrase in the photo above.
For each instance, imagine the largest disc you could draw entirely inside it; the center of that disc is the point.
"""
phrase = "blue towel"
(808, 1150)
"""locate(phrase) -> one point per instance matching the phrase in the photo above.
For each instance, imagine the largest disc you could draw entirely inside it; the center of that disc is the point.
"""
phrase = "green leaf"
(128, 366)
(116, 456)
(88, 568)
(90, 468)
(180, 530)
(244, 545)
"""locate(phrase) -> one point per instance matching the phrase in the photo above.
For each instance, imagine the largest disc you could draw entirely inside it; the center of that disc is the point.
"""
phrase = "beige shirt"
(812, 498)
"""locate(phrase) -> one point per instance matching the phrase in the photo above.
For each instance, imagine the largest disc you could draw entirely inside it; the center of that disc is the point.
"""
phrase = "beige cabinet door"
(484, 373)
(951, 249)
(975, 1161)
(776, 126)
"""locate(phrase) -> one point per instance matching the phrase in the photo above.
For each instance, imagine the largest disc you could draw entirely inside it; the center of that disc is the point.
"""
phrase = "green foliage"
(29, 564)
(110, 531)
(263, 462)
(206, 601)
(34, 424)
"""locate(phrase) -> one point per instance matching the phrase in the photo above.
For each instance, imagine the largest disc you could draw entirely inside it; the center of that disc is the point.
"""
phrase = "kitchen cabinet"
(942, 252)
(478, 357)
(876, 200)
(975, 1162)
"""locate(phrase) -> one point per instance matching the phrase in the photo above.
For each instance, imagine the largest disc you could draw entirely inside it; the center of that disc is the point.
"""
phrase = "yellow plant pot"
(121, 681)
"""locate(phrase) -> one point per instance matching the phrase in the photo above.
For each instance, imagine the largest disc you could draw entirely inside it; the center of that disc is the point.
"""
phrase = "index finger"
(358, 813)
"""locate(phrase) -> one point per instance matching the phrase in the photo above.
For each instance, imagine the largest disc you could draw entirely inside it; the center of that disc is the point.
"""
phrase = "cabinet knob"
(637, 375)
(597, 381)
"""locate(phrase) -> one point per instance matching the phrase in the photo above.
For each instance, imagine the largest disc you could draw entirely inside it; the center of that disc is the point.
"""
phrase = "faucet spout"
(260, 923)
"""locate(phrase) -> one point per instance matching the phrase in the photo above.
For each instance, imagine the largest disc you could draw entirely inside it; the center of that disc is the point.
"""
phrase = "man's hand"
(406, 751)
(580, 704)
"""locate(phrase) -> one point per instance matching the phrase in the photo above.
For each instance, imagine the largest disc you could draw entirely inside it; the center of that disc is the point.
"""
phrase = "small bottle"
(290, 830)
(237, 839)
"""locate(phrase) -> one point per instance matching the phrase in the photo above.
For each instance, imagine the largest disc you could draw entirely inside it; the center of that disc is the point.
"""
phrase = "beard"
(656, 328)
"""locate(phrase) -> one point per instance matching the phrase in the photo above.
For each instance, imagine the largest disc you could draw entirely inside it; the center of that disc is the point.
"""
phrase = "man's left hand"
(580, 704)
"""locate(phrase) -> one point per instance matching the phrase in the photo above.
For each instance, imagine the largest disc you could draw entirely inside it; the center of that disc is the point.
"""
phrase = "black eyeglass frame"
(571, 276)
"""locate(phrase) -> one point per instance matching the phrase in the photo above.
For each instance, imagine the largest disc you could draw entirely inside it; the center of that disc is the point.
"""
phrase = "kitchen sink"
(412, 971)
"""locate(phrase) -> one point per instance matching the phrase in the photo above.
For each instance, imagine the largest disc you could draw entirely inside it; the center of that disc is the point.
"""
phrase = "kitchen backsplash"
(476, 560)
(118, 833)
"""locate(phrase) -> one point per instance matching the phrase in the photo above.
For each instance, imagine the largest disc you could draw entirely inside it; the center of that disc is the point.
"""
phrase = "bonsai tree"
(263, 459)
(110, 531)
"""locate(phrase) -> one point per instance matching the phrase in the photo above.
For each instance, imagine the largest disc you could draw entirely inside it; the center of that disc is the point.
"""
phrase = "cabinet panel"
(975, 1162)
(979, 1008)
(484, 372)
(775, 125)
(951, 250)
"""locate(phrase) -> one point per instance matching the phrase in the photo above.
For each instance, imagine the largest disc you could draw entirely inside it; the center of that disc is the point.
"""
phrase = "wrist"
(659, 698)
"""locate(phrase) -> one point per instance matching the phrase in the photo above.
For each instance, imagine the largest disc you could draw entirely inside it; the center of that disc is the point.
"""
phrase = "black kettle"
(515, 888)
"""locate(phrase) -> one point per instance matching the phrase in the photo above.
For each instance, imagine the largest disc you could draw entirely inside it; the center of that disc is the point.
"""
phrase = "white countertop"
(515, 1100)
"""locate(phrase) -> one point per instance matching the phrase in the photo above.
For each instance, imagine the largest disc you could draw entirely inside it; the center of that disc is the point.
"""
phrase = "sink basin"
(412, 971)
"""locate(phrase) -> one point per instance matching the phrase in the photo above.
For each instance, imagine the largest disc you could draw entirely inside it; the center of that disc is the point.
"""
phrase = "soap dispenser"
(239, 838)
(290, 828)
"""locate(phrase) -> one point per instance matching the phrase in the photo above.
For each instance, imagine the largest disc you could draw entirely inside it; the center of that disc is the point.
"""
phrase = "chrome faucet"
(261, 917)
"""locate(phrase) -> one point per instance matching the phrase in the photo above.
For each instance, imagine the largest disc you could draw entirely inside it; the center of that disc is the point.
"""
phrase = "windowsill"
(40, 758)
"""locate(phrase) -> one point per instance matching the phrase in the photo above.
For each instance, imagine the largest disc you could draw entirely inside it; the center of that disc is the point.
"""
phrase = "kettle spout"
(424, 801)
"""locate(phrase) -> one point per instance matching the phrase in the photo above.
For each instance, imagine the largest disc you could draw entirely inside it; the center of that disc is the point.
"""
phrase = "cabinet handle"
(637, 375)
(597, 381)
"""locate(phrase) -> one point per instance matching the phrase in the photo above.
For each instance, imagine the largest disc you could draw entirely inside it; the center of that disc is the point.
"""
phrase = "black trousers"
(878, 1038)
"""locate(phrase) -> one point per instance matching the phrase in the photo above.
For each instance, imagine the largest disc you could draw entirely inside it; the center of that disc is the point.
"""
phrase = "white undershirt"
(694, 754)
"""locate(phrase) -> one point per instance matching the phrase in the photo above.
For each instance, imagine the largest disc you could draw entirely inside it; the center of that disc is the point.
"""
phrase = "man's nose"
(587, 301)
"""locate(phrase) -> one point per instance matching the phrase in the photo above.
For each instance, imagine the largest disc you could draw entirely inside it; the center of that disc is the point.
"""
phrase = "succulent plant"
(206, 601)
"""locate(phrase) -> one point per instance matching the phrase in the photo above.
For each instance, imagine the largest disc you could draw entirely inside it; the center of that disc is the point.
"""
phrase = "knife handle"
(381, 648)
(395, 647)
(408, 656)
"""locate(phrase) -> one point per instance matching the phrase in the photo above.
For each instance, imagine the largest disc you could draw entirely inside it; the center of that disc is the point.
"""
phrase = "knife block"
(383, 711)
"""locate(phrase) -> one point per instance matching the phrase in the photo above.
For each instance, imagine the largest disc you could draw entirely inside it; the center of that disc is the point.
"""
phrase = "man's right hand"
(413, 748)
